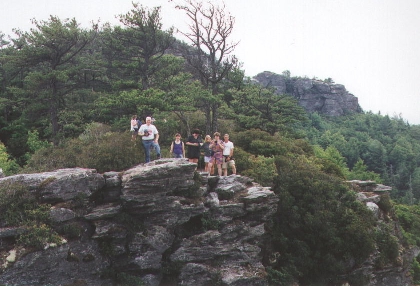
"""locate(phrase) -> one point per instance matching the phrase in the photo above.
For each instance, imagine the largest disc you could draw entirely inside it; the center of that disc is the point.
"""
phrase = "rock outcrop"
(313, 95)
(397, 273)
(158, 224)
(163, 223)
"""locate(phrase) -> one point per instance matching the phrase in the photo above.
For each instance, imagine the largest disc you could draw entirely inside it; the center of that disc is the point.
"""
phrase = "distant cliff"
(313, 95)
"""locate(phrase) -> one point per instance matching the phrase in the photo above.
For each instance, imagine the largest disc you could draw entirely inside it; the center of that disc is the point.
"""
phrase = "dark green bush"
(37, 236)
(415, 271)
(263, 170)
(19, 207)
(387, 247)
(409, 219)
(100, 151)
(385, 203)
(319, 225)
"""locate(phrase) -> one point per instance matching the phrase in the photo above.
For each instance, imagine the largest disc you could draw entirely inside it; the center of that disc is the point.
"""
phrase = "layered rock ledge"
(160, 223)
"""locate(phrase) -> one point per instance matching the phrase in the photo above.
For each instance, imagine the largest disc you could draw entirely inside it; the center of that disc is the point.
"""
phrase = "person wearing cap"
(194, 143)
(150, 137)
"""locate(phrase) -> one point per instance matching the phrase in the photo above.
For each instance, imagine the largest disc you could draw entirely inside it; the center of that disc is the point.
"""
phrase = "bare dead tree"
(211, 54)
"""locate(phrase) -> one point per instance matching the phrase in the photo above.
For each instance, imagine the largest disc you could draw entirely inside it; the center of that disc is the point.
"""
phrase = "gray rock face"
(313, 95)
(162, 224)
(158, 224)
(62, 265)
(370, 193)
(61, 185)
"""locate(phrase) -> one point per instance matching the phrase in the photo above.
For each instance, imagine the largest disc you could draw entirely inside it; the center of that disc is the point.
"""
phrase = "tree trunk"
(207, 113)
(215, 111)
(54, 122)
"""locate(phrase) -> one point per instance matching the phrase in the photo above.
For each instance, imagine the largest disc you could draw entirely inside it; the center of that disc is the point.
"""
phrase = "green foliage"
(276, 277)
(256, 150)
(263, 170)
(332, 161)
(387, 246)
(95, 148)
(415, 271)
(319, 223)
(385, 204)
(34, 143)
(258, 107)
(360, 172)
(17, 203)
(71, 230)
(83, 96)
(209, 223)
(141, 46)
(387, 146)
(409, 219)
(48, 79)
(8, 165)
(19, 208)
(415, 183)
(259, 142)
(37, 236)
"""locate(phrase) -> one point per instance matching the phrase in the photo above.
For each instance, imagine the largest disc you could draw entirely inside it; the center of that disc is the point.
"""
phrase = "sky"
(372, 47)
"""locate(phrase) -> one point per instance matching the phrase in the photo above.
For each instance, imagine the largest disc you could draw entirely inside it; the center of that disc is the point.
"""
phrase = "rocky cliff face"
(397, 273)
(156, 224)
(313, 95)
(161, 223)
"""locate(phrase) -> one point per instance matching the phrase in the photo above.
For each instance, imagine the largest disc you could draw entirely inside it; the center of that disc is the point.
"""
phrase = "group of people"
(216, 152)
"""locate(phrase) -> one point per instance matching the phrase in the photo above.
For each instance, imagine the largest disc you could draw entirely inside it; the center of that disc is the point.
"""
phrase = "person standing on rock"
(134, 127)
(150, 137)
(228, 156)
(207, 154)
(194, 143)
(217, 147)
(177, 147)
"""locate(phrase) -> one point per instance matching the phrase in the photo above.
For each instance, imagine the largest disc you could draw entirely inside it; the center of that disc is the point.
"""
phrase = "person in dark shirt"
(177, 147)
(194, 143)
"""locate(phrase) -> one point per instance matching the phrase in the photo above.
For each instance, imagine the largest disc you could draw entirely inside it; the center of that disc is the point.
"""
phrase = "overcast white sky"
(370, 46)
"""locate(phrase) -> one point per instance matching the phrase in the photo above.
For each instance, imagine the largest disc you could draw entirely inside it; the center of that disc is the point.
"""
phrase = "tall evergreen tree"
(137, 50)
(50, 54)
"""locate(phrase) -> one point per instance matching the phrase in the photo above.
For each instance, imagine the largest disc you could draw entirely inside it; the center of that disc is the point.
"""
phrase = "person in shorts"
(217, 147)
(228, 160)
(207, 154)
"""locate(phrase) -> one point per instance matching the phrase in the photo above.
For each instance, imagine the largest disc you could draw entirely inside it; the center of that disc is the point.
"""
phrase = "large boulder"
(61, 185)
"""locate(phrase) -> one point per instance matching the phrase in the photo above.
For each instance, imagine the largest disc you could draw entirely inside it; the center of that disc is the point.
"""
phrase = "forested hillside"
(67, 95)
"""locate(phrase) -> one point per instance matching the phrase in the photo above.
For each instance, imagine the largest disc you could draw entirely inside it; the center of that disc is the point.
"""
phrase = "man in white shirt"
(228, 156)
(150, 137)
